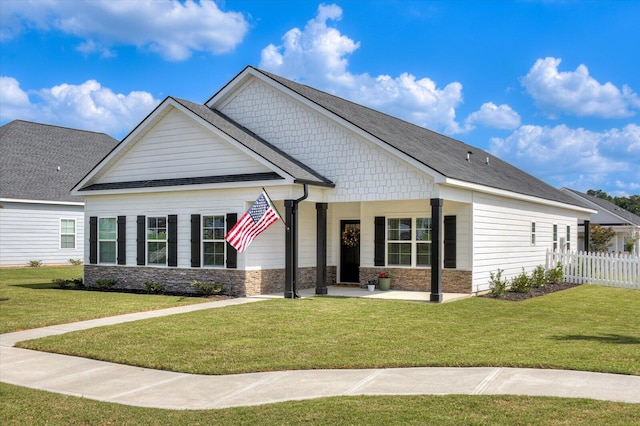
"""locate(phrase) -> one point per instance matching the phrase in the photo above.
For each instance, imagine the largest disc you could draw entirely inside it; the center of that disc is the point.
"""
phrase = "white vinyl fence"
(613, 270)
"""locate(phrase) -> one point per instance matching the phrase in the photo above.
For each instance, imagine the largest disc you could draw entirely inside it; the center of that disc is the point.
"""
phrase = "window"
(107, 239)
(568, 238)
(157, 240)
(555, 237)
(423, 241)
(406, 248)
(213, 244)
(533, 233)
(67, 233)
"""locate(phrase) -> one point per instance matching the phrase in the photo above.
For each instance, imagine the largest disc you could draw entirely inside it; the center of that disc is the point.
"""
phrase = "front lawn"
(28, 299)
(21, 406)
(583, 328)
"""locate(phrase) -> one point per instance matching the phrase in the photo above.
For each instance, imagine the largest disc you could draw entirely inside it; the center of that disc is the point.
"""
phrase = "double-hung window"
(67, 233)
(107, 236)
(568, 238)
(213, 244)
(533, 233)
(157, 240)
(555, 237)
(409, 241)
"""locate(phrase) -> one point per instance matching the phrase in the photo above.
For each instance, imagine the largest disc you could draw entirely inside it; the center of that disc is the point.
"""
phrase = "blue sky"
(551, 86)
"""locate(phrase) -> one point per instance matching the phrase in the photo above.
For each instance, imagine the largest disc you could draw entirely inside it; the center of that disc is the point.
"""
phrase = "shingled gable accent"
(442, 154)
(279, 160)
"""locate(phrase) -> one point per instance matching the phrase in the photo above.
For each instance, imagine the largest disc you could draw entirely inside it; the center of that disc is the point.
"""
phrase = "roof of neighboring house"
(44, 162)
(626, 216)
(443, 154)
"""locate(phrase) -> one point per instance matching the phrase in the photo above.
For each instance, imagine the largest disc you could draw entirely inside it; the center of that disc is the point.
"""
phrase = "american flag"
(259, 217)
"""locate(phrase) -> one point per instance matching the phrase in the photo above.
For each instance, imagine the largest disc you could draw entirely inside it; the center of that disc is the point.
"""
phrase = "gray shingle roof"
(443, 154)
(626, 215)
(32, 152)
(250, 140)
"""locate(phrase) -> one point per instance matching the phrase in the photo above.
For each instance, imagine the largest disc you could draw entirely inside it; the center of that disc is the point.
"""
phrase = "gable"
(178, 147)
(361, 169)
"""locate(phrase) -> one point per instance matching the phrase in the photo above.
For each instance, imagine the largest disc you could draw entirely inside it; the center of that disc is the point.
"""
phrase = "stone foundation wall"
(178, 280)
(453, 281)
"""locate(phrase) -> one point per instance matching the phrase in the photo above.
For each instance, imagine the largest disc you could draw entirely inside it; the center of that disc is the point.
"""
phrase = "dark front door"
(349, 251)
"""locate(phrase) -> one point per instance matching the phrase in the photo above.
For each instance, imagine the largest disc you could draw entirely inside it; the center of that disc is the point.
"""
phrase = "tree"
(600, 237)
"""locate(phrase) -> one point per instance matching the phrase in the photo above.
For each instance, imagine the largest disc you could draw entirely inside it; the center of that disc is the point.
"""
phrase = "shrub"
(207, 289)
(538, 277)
(68, 283)
(522, 283)
(555, 275)
(497, 285)
(75, 262)
(156, 288)
(106, 283)
(35, 263)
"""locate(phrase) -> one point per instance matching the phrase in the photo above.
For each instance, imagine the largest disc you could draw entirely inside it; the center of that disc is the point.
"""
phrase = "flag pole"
(274, 207)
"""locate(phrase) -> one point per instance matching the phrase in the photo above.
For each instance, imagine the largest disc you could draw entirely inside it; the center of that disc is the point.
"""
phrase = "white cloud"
(170, 28)
(576, 92)
(318, 55)
(88, 106)
(578, 158)
(492, 115)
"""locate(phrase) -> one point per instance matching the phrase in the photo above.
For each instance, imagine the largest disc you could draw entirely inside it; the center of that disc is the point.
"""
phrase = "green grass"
(583, 328)
(28, 299)
(21, 406)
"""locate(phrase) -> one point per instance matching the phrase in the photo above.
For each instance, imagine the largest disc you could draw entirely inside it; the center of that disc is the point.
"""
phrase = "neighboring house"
(625, 224)
(39, 165)
(428, 209)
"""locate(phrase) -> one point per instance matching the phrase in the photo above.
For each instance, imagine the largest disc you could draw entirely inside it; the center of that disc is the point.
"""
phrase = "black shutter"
(93, 240)
(141, 240)
(232, 253)
(379, 251)
(122, 240)
(449, 241)
(172, 249)
(195, 241)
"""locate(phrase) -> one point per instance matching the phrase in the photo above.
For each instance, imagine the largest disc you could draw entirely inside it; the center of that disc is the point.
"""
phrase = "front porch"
(353, 291)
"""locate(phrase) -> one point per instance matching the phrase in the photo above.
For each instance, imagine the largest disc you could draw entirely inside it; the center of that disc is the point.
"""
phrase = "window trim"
(555, 236)
(413, 241)
(62, 234)
(114, 240)
(203, 240)
(533, 233)
(568, 242)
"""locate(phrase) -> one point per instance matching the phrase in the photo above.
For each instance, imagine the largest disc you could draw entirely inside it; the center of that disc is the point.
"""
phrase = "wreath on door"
(351, 237)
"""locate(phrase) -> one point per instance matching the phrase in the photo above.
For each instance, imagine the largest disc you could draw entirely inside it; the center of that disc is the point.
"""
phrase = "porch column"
(321, 248)
(436, 251)
(587, 235)
(291, 252)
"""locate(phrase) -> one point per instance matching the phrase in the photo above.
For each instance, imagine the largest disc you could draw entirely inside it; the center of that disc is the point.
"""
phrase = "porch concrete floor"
(350, 291)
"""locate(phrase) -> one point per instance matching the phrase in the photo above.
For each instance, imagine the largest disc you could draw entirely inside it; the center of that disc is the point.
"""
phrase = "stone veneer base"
(453, 280)
(237, 283)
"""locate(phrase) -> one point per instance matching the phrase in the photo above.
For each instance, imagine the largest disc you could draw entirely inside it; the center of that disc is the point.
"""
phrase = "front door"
(349, 251)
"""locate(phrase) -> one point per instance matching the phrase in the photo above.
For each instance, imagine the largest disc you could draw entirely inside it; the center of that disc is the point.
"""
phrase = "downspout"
(291, 246)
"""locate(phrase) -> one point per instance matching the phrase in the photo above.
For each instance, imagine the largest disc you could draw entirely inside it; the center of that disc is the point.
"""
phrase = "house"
(625, 224)
(39, 218)
(437, 214)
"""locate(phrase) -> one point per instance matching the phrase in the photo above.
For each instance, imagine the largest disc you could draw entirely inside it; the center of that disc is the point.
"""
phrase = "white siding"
(502, 236)
(179, 147)
(32, 232)
(360, 169)
(266, 252)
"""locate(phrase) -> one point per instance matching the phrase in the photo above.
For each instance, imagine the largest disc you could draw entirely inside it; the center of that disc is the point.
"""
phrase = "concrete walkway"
(144, 387)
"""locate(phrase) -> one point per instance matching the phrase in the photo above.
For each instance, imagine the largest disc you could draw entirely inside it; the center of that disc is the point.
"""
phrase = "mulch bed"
(540, 291)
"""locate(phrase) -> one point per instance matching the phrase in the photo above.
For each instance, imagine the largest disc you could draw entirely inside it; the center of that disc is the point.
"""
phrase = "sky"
(553, 87)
